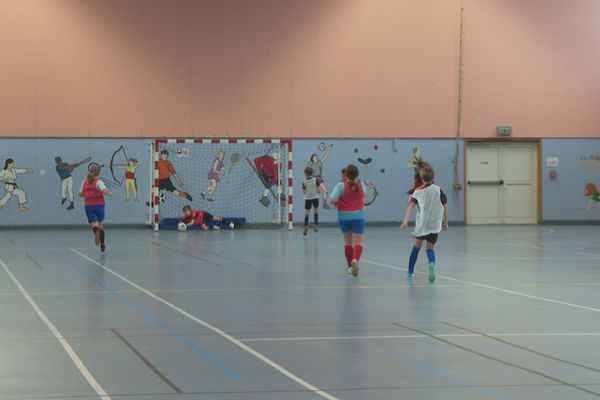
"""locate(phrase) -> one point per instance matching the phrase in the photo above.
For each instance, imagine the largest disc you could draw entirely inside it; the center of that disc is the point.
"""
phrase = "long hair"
(93, 173)
(352, 176)
(7, 162)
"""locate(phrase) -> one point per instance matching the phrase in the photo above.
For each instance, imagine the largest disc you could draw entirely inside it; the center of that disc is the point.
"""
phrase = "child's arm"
(445, 225)
(107, 192)
(409, 211)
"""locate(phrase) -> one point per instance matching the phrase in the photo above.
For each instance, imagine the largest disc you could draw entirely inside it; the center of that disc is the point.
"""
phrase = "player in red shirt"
(200, 217)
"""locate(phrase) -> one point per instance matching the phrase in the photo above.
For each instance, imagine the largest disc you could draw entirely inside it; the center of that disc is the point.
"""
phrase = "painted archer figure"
(130, 179)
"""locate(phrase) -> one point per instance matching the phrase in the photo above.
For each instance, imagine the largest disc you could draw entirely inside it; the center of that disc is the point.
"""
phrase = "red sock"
(357, 252)
(348, 252)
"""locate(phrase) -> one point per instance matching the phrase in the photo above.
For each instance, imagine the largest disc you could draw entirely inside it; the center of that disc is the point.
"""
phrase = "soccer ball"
(162, 198)
(181, 227)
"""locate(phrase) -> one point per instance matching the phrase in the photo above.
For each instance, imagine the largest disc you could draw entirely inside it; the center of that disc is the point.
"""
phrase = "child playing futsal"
(310, 189)
(93, 191)
(348, 198)
(200, 217)
(432, 216)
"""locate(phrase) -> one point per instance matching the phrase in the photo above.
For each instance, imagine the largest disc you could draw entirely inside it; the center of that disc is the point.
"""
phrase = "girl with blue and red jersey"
(348, 197)
(93, 190)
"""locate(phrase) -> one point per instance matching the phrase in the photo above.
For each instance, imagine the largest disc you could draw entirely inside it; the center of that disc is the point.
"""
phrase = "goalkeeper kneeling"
(200, 218)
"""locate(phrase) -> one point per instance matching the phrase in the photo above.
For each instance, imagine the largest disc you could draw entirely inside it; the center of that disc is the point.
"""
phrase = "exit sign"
(504, 131)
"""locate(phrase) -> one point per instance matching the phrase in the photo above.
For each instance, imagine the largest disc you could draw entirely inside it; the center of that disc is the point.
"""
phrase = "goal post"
(247, 180)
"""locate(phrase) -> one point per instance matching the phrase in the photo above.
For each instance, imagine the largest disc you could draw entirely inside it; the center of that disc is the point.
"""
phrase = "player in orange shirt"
(165, 171)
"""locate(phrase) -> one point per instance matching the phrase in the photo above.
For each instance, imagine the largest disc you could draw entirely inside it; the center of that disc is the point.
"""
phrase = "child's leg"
(414, 255)
(431, 253)
(316, 211)
(306, 217)
(358, 246)
(348, 247)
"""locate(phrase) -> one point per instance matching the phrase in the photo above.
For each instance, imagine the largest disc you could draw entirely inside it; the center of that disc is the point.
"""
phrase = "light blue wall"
(391, 156)
(563, 198)
(44, 191)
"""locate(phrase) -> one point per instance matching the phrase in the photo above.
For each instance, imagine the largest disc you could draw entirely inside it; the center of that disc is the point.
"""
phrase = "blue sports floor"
(266, 314)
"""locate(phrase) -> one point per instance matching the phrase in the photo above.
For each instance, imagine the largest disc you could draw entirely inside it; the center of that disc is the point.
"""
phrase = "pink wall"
(534, 65)
(305, 68)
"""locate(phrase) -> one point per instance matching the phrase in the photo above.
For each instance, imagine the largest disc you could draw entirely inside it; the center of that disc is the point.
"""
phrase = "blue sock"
(414, 254)
(431, 256)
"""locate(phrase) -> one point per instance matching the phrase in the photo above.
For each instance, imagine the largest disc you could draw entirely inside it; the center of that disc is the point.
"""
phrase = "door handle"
(500, 182)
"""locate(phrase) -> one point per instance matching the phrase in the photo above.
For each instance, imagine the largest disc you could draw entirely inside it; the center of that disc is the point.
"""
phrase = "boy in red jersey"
(200, 217)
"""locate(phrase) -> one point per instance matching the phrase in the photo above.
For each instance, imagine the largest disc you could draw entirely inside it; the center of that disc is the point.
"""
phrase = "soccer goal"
(246, 180)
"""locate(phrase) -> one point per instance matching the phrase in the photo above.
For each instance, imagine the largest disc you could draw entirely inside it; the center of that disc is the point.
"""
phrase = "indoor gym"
(499, 97)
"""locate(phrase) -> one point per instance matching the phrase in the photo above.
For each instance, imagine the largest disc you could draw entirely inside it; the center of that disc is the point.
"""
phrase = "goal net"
(242, 180)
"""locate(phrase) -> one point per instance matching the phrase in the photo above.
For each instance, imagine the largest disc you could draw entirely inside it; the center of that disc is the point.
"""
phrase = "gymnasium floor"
(515, 314)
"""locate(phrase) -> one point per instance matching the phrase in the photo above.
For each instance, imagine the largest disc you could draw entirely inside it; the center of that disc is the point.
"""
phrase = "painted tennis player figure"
(317, 166)
(200, 217)
(432, 216)
(165, 171)
(8, 175)
(214, 175)
(348, 198)
(93, 190)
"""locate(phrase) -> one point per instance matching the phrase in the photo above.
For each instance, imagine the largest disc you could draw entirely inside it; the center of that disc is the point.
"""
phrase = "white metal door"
(501, 183)
(483, 184)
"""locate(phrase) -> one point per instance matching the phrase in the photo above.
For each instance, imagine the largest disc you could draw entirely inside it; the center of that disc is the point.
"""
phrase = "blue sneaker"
(431, 272)
(349, 272)
(410, 275)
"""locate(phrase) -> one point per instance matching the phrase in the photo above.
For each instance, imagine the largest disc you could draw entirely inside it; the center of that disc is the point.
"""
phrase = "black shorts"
(208, 216)
(431, 238)
(308, 204)
(166, 184)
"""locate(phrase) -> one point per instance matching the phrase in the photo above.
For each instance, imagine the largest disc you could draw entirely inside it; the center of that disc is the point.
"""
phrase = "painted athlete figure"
(214, 175)
(165, 171)
(8, 175)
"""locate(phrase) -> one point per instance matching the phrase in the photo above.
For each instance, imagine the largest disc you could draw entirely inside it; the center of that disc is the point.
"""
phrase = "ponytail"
(92, 174)
(352, 176)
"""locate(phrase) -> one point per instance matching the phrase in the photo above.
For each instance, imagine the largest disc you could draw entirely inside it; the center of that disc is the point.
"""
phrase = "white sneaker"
(216, 228)
(231, 225)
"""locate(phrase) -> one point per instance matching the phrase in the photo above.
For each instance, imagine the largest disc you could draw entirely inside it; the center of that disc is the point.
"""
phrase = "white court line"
(223, 334)
(68, 349)
(576, 253)
(449, 335)
(499, 289)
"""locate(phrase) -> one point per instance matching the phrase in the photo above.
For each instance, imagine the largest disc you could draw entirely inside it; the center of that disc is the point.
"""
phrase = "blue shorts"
(94, 213)
(353, 225)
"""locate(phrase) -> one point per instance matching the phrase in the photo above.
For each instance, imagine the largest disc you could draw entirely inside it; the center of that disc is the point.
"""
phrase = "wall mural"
(592, 193)
(317, 163)
(8, 175)
(65, 173)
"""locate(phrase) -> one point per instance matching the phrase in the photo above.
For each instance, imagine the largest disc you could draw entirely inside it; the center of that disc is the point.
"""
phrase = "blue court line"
(178, 335)
(450, 376)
